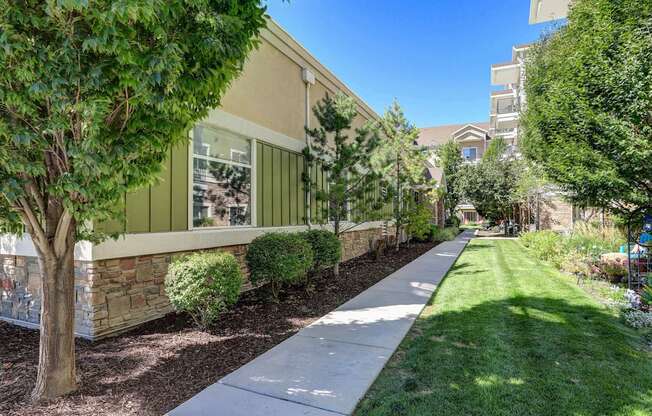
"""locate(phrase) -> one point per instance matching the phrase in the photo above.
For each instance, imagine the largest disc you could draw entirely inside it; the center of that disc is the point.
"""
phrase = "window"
(469, 153)
(221, 175)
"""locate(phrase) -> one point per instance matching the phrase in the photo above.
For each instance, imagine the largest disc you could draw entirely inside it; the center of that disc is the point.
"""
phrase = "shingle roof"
(437, 135)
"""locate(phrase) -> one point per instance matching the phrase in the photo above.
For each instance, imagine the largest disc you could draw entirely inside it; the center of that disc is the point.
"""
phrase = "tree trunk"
(336, 229)
(56, 368)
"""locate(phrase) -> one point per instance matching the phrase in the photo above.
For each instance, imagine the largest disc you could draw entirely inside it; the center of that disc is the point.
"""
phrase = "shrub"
(418, 225)
(646, 295)
(278, 259)
(326, 248)
(443, 234)
(613, 266)
(545, 245)
(638, 319)
(204, 285)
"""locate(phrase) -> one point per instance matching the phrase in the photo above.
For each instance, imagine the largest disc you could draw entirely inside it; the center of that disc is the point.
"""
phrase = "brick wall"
(114, 295)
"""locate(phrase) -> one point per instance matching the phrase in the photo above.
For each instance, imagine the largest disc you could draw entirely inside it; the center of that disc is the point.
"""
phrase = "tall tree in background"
(491, 186)
(401, 163)
(349, 197)
(588, 121)
(92, 96)
(449, 159)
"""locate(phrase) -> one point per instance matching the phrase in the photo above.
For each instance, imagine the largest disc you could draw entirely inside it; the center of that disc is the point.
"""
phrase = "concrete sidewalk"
(326, 368)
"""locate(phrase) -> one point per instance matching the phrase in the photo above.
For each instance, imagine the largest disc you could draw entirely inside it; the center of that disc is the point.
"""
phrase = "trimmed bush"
(326, 248)
(204, 285)
(278, 259)
(418, 225)
(443, 234)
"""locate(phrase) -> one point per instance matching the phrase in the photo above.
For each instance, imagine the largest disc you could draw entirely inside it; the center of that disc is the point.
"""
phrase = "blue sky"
(434, 56)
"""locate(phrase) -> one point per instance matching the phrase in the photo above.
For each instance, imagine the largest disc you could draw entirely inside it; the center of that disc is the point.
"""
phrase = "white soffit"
(547, 10)
(503, 74)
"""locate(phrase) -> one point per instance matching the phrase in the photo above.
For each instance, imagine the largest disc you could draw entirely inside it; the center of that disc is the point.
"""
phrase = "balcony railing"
(506, 106)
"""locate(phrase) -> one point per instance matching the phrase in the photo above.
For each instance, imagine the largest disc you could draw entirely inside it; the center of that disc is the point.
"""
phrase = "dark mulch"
(157, 366)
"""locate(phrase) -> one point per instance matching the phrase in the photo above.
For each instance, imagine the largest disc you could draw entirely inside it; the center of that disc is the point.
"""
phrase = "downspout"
(308, 79)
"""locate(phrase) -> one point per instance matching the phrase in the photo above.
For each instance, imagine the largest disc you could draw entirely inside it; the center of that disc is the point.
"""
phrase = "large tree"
(92, 96)
(449, 158)
(588, 121)
(349, 195)
(401, 163)
(491, 186)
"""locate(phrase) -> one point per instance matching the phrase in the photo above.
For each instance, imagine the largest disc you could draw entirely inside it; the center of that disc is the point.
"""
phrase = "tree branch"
(61, 234)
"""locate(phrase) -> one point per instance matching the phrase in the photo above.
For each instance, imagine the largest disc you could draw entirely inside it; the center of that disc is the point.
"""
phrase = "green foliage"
(345, 162)
(588, 120)
(401, 164)
(496, 149)
(491, 186)
(443, 234)
(582, 251)
(204, 285)
(646, 294)
(545, 245)
(94, 94)
(326, 248)
(449, 159)
(418, 222)
(278, 259)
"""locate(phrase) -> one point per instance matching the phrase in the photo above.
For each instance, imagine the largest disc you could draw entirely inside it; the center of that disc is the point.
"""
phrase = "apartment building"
(547, 10)
(238, 176)
(473, 139)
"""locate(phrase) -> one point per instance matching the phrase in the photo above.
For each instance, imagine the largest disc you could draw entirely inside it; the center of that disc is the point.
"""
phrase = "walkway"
(326, 368)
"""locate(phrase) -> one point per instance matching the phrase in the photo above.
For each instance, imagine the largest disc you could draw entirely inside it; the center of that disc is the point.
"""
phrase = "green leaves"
(589, 94)
(92, 95)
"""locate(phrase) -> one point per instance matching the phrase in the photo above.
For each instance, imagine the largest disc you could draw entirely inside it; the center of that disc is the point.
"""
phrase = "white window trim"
(476, 153)
(191, 182)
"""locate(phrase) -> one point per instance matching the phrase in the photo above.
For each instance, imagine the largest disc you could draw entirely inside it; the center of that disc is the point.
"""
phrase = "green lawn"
(508, 335)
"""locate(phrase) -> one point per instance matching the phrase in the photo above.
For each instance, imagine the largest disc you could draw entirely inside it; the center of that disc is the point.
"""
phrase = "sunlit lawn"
(507, 335)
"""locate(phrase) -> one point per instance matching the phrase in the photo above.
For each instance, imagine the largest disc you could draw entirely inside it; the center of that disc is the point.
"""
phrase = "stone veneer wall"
(114, 295)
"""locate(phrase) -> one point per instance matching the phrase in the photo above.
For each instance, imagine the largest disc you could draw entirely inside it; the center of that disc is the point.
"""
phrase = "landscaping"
(506, 334)
(152, 369)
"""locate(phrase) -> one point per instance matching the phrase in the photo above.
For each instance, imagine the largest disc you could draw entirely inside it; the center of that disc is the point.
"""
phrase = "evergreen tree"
(449, 159)
(349, 197)
(401, 163)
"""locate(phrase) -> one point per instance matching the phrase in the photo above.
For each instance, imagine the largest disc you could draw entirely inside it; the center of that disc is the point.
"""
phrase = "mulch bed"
(162, 363)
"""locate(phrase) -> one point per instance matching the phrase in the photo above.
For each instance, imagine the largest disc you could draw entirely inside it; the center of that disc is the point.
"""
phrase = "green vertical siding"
(160, 197)
(179, 190)
(161, 207)
(280, 189)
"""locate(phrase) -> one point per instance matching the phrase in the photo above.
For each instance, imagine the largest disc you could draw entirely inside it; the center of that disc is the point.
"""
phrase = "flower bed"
(154, 368)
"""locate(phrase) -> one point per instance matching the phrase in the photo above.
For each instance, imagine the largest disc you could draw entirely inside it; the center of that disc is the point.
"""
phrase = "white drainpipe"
(308, 79)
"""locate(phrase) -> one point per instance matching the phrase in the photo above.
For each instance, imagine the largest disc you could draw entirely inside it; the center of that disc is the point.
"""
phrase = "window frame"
(253, 220)
(476, 153)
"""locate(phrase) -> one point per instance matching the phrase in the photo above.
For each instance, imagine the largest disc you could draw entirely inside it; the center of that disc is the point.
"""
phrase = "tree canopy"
(449, 159)
(92, 97)
(401, 163)
(588, 121)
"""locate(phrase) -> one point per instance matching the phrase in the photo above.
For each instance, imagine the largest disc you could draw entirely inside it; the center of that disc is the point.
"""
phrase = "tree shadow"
(517, 356)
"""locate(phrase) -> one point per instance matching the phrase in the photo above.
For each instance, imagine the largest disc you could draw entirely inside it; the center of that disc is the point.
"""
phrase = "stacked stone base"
(115, 295)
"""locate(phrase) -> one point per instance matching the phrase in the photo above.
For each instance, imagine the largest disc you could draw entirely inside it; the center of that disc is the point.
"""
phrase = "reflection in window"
(469, 153)
(221, 178)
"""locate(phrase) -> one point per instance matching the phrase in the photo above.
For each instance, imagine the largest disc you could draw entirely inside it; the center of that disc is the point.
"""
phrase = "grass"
(508, 335)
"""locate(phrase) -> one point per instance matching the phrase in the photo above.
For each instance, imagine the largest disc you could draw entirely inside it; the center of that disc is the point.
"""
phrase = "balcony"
(505, 74)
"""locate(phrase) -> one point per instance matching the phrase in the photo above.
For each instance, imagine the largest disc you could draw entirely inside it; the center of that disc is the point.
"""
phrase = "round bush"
(277, 259)
(326, 248)
(204, 285)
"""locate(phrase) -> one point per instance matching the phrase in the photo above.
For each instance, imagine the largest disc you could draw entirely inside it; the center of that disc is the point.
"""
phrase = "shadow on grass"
(517, 356)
